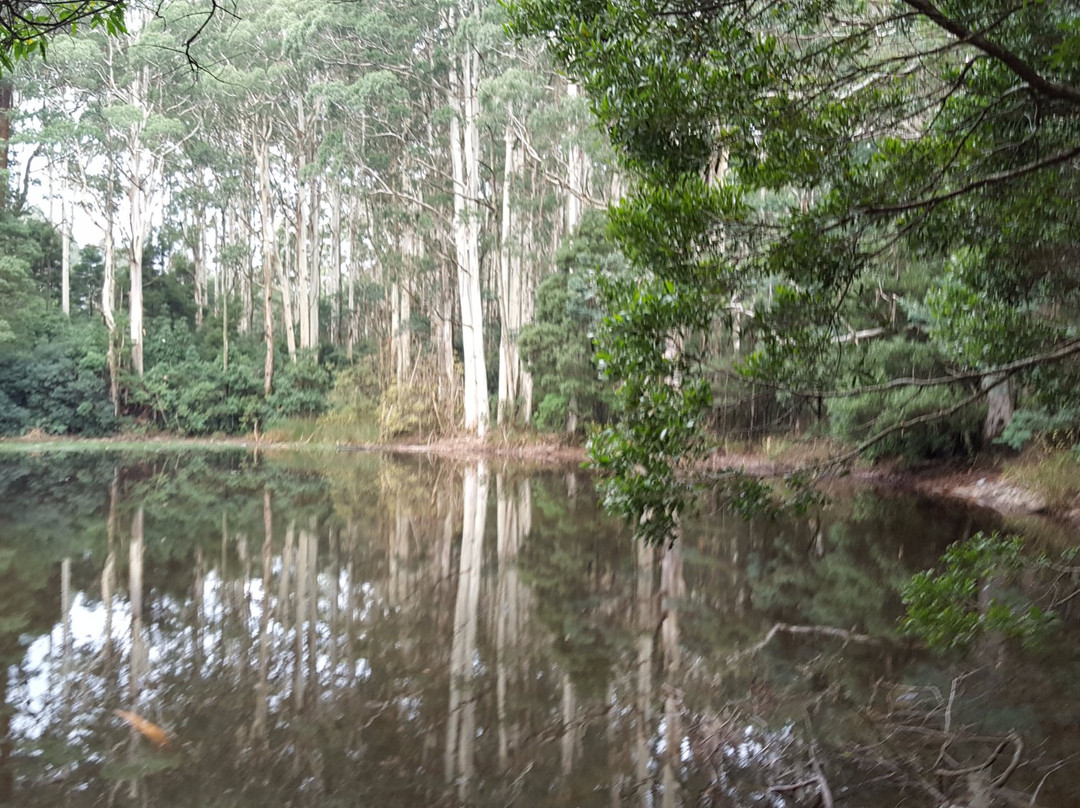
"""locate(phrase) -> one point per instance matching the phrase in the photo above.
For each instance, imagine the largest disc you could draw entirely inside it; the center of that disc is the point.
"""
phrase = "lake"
(214, 628)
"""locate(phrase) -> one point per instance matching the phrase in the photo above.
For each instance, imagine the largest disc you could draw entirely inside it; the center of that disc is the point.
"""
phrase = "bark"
(7, 103)
(443, 322)
(335, 263)
(198, 261)
(108, 298)
(509, 272)
(302, 211)
(516, 290)
(999, 406)
(465, 157)
(65, 260)
(261, 146)
(144, 179)
(288, 312)
(352, 313)
(400, 330)
(411, 244)
(315, 264)
(578, 171)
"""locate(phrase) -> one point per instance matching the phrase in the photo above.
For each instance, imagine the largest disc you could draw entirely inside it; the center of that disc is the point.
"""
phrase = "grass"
(1052, 474)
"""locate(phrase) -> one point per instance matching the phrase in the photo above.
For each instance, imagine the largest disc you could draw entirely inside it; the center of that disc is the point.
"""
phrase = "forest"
(686, 233)
(296, 207)
(666, 223)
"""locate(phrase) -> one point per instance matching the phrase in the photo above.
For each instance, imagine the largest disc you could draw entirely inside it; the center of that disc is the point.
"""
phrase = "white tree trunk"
(108, 297)
(353, 315)
(578, 171)
(335, 263)
(144, 179)
(465, 156)
(198, 260)
(65, 259)
(261, 146)
(513, 288)
(289, 312)
(999, 405)
(315, 264)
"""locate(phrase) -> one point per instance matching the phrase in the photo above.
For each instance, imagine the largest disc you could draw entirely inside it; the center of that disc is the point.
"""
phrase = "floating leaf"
(148, 729)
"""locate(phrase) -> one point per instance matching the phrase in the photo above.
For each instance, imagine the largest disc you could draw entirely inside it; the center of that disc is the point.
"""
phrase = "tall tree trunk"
(999, 405)
(143, 182)
(303, 282)
(7, 103)
(514, 288)
(335, 263)
(577, 180)
(247, 304)
(285, 279)
(108, 298)
(400, 330)
(353, 316)
(135, 267)
(261, 146)
(315, 246)
(198, 261)
(65, 259)
(465, 157)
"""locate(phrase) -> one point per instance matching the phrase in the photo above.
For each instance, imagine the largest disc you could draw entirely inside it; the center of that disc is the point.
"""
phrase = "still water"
(356, 630)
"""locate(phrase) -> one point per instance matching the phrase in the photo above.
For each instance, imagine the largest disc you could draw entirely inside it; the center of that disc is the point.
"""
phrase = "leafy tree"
(558, 346)
(25, 29)
(892, 133)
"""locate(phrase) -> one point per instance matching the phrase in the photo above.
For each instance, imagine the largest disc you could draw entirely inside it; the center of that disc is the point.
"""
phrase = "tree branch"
(990, 179)
(1025, 71)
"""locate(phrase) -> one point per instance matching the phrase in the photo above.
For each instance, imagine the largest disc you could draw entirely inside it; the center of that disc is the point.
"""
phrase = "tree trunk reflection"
(461, 721)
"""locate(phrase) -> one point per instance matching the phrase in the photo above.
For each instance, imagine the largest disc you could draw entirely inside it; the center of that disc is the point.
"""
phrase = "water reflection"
(318, 632)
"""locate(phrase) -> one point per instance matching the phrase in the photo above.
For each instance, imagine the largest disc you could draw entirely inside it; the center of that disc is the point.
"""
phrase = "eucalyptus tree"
(463, 88)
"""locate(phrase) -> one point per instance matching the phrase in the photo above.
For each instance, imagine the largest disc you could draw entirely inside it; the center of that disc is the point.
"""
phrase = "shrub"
(301, 390)
(860, 417)
(408, 410)
(354, 399)
(551, 413)
(58, 387)
(196, 397)
(1058, 428)
(950, 609)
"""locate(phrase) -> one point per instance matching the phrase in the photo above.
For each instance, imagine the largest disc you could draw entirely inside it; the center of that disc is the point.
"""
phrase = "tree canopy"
(829, 152)
(25, 28)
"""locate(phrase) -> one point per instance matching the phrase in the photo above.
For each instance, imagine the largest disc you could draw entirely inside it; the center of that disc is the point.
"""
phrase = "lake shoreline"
(981, 482)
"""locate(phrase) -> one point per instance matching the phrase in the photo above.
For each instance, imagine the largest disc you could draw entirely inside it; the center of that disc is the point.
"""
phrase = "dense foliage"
(975, 595)
(903, 170)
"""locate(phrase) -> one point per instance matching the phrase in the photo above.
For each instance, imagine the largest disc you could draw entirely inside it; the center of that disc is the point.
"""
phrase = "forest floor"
(1032, 484)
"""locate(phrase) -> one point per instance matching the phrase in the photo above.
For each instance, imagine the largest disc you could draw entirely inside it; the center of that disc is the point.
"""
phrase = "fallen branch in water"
(827, 631)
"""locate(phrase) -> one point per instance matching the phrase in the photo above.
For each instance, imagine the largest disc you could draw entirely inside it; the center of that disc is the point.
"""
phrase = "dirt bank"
(980, 484)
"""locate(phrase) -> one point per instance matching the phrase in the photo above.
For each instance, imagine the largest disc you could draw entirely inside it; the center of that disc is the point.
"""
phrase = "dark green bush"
(301, 389)
(196, 397)
(859, 418)
(59, 387)
(1060, 428)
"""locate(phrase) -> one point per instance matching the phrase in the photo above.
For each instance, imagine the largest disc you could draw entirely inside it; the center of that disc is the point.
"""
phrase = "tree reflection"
(346, 633)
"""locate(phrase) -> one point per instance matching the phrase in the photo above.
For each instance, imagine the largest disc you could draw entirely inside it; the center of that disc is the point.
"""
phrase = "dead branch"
(828, 631)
